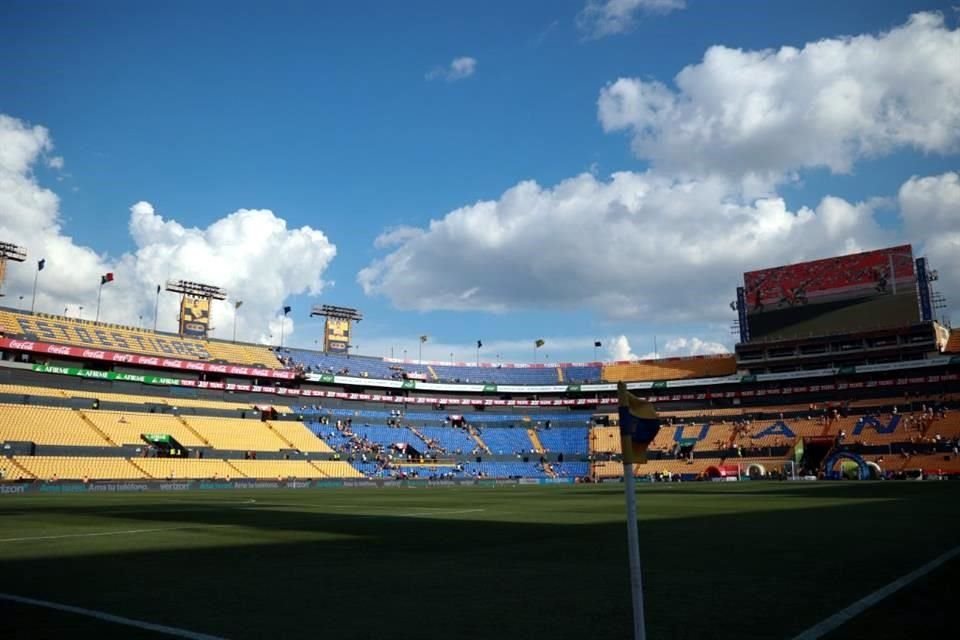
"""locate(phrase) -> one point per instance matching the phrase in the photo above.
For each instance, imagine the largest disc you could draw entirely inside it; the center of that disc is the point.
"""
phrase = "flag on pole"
(539, 342)
(479, 343)
(597, 343)
(639, 425)
(105, 278)
(41, 263)
(286, 310)
(158, 289)
(238, 304)
(423, 338)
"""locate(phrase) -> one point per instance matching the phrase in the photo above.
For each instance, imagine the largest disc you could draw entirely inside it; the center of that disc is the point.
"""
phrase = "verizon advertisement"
(144, 361)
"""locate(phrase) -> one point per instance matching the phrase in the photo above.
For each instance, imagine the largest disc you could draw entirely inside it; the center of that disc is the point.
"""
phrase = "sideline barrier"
(21, 488)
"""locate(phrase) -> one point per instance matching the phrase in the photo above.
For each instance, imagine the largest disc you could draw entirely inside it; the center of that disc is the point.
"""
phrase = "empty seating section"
(109, 468)
(953, 342)
(28, 390)
(144, 400)
(928, 463)
(336, 469)
(299, 436)
(364, 366)
(44, 425)
(233, 434)
(564, 440)
(571, 469)
(449, 439)
(506, 440)
(80, 467)
(388, 436)
(273, 469)
(581, 374)
(671, 368)
(359, 366)
(10, 470)
(126, 428)
(186, 468)
(605, 440)
(83, 333)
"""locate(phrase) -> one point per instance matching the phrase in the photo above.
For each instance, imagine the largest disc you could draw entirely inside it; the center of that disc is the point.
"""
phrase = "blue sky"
(327, 116)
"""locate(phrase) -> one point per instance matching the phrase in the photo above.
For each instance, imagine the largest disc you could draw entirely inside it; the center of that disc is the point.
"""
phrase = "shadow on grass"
(754, 574)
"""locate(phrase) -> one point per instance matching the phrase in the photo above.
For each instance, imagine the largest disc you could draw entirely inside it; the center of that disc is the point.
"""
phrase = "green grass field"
(751, 560)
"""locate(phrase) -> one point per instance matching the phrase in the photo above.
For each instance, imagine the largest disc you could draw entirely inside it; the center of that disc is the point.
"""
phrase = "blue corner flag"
(639, 425)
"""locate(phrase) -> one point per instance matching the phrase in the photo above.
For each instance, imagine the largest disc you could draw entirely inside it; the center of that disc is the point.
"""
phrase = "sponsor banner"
(144, 361)
(105, 375)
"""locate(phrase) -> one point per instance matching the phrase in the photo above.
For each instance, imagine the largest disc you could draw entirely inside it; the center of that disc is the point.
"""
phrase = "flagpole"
(99, 293)
(633, 544)
(156, 309)
(33, 302)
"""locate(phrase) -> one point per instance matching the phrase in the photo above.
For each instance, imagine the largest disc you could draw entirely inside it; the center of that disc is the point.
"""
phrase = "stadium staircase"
(827, 427)
(535, 440)
(433, 373)
(280, 435)
(194, 431)
(419, 435)
(12, 470)
(560, 375)
(99, 431)
(479, 441)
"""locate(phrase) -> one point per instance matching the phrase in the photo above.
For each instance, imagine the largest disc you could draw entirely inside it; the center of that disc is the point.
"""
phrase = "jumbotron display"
(858, 292)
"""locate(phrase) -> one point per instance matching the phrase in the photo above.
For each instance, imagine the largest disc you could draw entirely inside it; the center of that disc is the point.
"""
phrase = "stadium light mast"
(194, 290)
(9, 251)
(333, 312)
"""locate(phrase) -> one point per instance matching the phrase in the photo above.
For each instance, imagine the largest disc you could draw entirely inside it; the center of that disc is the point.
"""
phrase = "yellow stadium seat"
(83, 333)
(127, 427)
(47, 425)
(299, 436)
(79, 467)
(186, 468)
(671, 369)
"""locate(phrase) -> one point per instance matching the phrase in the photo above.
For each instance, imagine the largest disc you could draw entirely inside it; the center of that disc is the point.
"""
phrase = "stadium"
(542, 320)
(185, 478)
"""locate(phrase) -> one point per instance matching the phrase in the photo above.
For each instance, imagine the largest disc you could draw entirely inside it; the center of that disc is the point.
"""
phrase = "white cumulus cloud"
(252, 253)
(619, 349)
(458, 69)
(930, 208)
(601, 18)
(639, 245)
(767, 113)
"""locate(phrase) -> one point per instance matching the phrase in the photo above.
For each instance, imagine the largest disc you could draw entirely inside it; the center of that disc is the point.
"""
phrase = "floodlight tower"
(9, 251)
(336, 329)
(195, 312)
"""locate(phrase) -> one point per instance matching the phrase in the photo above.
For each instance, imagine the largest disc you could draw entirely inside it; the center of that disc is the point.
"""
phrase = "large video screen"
(858, 292)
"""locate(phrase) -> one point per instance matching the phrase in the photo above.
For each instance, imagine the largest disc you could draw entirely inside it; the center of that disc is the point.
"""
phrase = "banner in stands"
(336, 335)
(106, 375)
(863, 291)
(488, 402)
(144, 361)
(194, 317)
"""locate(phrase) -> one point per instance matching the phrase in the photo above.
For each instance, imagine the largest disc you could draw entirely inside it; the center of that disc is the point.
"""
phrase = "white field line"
(829, 624)
(108, 617)
(91, 535)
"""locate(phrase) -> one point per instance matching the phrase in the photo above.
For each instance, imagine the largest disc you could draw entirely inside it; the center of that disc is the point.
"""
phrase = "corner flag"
(639, 425)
